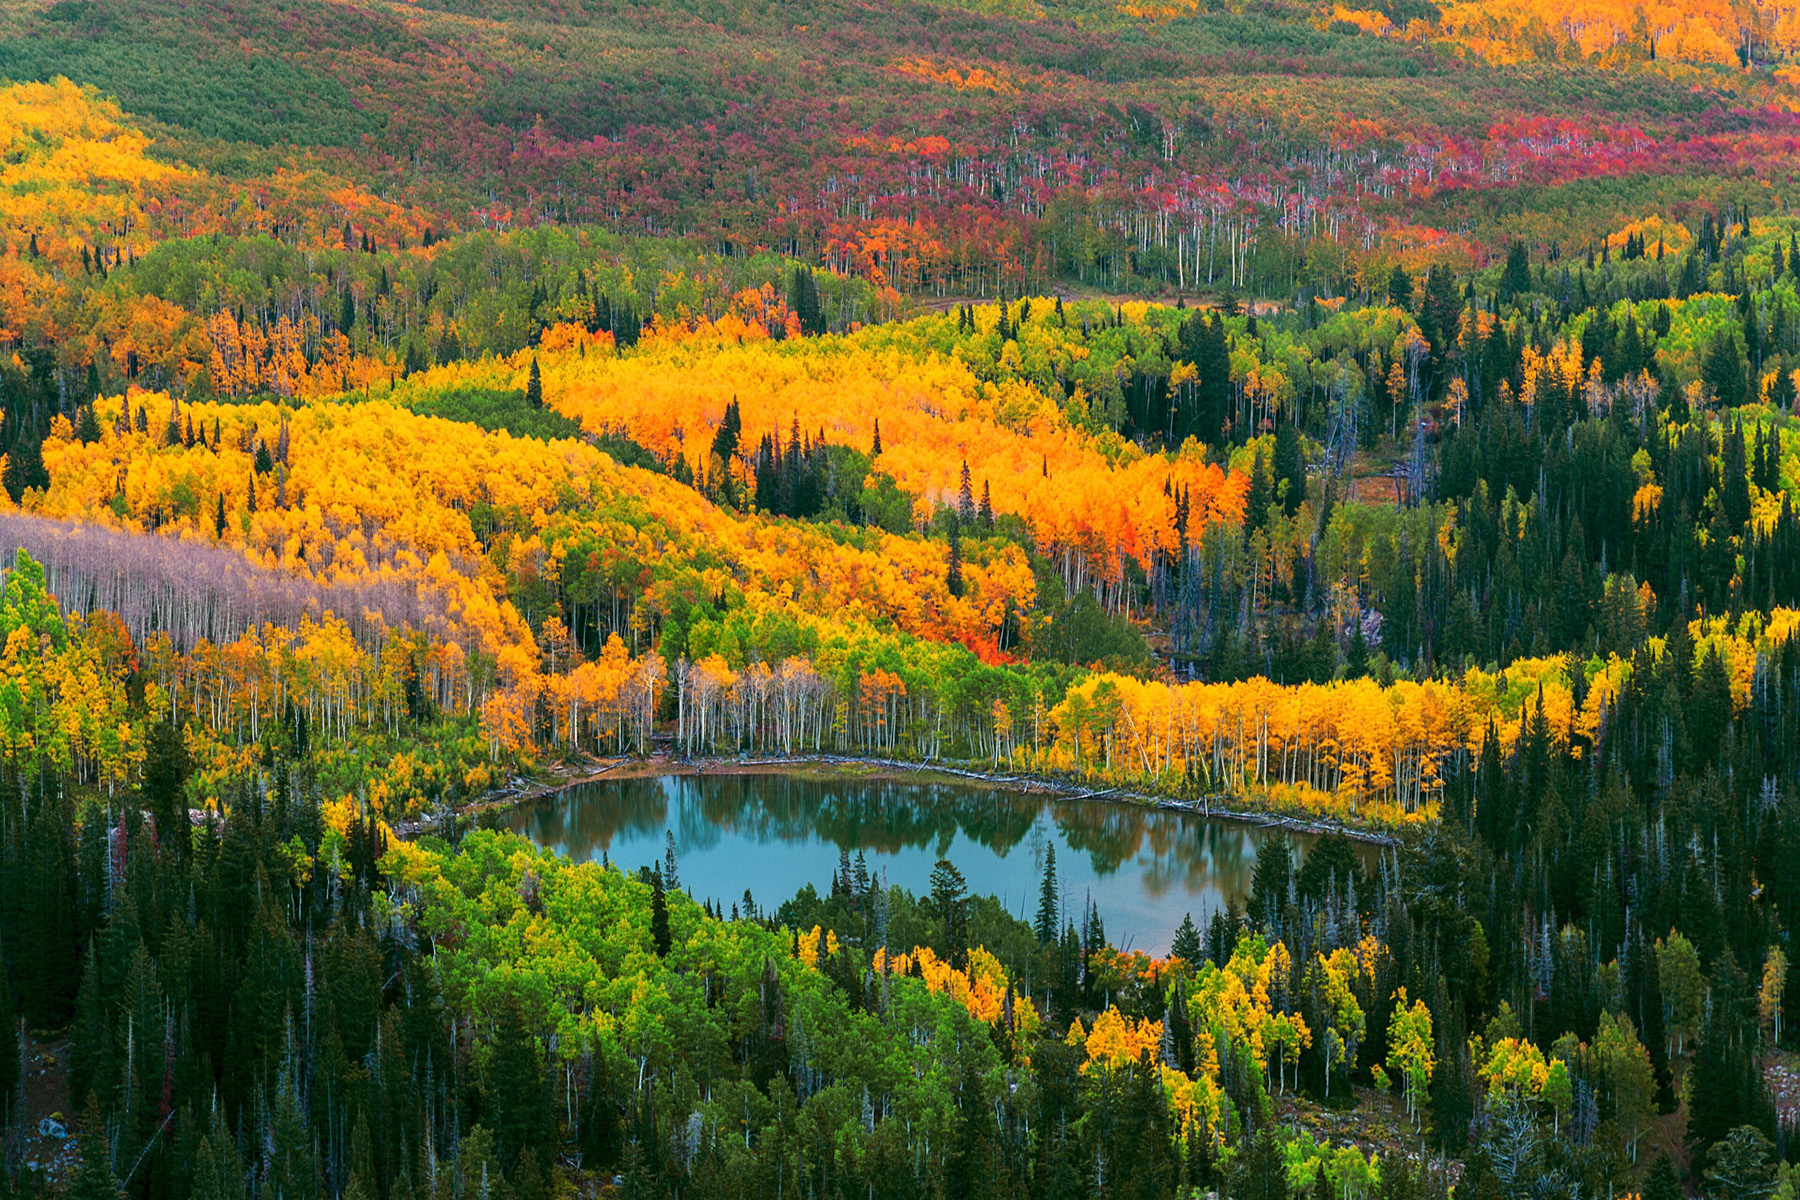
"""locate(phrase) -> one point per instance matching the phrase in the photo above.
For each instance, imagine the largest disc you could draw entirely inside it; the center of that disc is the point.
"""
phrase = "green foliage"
(1076, 630)
(263, 99)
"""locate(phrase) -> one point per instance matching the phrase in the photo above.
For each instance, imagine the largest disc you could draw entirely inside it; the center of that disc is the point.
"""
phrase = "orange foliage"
(671, 394)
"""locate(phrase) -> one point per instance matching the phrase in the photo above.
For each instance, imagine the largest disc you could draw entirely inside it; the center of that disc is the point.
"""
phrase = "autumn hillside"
(1375, 421)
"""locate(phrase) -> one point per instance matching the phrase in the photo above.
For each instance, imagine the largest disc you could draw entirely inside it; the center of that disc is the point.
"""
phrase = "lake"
(773, 834)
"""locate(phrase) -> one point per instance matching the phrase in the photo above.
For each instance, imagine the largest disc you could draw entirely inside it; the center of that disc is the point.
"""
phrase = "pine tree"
(1724, 371)
(1049, 900)
(1290, 469)
(1742, 1167)
(219, 519)
(94, 1178)
(1663, 1181)
(949, 904)
(293, 1166)
(534, 388)
(9, 1041)
(166, 770)
(1262, 491)
(803, 301)
(659, 916)
(1260, 1172)
(1400, 287)
(965, 497)
(1187, 940)
(726, 439)
(515, 1086)
(875, 447)
(87, 428)
(953, 573)
(1269, 883)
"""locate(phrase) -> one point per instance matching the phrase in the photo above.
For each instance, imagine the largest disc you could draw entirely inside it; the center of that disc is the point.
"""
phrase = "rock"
(50, 1127)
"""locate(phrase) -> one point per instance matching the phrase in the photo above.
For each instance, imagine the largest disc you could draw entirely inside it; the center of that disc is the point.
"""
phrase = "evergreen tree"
(953, 574)
(1260, 1172)
(93, 1178)
(1723, 370)
(659, 916)
(519, 1113)
(730, 431)
(803, 301)
(166, 770)
(1262, 491)
(1289, 466)
(1049, 900)
(1400, 287)
(1662, 1181)
(1729, 1058)
(87, 428)
(534, 388)
(1187, 941)
(1222, 934)
(1269, 883)
(949, 906)
(1741, 1167)
(1515, 280)
(9, 1042)
(292, 1169)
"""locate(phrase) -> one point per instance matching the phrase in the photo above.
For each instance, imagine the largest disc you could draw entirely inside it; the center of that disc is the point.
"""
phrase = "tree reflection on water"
(773, 834)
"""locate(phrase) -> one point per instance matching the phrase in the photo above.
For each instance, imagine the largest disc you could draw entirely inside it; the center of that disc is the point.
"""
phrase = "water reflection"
(772, 834)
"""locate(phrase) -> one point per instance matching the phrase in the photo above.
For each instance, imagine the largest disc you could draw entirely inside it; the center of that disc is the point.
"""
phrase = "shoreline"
(852, 767)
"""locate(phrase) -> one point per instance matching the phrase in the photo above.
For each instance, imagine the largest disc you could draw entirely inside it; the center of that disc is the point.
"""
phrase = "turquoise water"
(772, 834)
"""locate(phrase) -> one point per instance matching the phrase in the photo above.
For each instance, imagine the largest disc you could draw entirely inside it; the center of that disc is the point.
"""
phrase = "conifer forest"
(1327, 469)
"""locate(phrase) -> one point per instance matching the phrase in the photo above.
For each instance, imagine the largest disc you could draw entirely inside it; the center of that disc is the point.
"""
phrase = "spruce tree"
(1262, 491)
(1289, 469)
(1269, 883)
(534, 388)
(949, 904)
(1260, 1173)
(93, 1179)
(1516, 278)
(9, 1041)
(166, 770)
(515, 1086)
(1049, 900)
(1662, 1181)
(659, 916)
(1400, 287)
(1187, 941)
(87, 429)
(293, 1165)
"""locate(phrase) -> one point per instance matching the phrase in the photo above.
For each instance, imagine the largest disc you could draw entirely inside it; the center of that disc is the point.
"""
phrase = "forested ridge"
(1379, 417)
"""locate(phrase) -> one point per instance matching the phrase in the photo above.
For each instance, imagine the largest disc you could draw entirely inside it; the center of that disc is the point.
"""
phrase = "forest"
(1380, 420)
